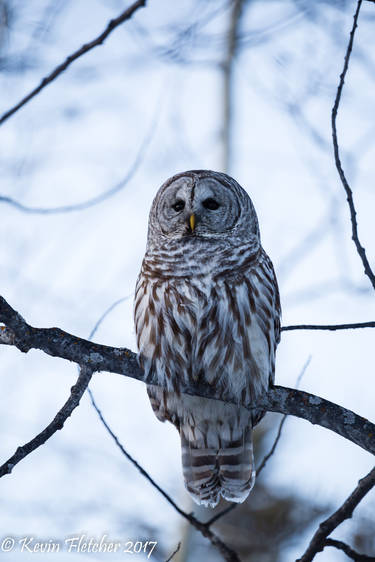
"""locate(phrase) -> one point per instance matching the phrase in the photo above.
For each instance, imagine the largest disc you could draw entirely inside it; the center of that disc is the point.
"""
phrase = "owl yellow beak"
(192, 222)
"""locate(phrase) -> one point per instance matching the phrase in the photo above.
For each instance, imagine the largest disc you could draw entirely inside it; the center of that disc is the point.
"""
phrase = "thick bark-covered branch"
(58, 343)
(125, 15)
(345, 511)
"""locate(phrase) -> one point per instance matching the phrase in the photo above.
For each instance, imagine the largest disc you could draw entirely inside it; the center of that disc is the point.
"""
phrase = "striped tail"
(218, 467)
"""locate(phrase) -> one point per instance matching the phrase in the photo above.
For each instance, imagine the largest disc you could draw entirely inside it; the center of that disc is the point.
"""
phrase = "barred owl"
(207, 310)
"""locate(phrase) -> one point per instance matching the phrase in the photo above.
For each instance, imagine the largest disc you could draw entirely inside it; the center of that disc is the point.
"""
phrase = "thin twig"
(329, 327)
(283, 419)
(99, 198)
(57, 423)
(105, 314)
(356, 556)
(221, 514)
(228, 554)
(303, 372)
(349, 194)
(112, 24)
(132, 459)
(174, 553)
(345, 511)
(58, 343)
(273, 448)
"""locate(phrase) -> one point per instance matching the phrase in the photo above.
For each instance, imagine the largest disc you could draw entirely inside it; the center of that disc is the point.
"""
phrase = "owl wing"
(267, 309)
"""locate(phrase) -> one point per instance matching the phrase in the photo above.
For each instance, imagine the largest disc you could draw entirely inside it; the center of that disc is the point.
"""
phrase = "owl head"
(202, 204)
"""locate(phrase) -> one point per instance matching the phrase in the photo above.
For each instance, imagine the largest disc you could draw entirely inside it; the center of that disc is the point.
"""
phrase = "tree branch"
(6, 336)
(57, 343)
(228, 554)
(330, 327)
(349, 194)
(356, 556)
(174, 553)
(98, 198)
(57, 423)
(112, 24)
(344, 512)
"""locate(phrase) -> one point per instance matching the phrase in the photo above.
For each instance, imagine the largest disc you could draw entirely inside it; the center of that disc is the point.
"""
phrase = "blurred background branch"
(112, 25)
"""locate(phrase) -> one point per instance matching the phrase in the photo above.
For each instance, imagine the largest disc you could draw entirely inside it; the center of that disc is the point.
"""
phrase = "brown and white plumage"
(207, 309)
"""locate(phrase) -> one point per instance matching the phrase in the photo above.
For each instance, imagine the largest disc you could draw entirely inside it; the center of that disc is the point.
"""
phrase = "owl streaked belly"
(195, 329)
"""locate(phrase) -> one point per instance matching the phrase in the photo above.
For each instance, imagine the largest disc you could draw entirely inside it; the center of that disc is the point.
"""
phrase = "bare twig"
(112, 24)
(227, 553)
(58, 343)
(303, 371)
(106, 312)
(99, 198)
(349, 194)
(273, 448)
(57, 423)
(282, 421)
(330, 327)
(132, 459)
(221, 514)
(356, 556)
(345, 511)
(174, 553)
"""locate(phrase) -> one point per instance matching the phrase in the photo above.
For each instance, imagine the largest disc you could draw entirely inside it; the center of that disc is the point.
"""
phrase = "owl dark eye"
(210, 204)
(178, 206)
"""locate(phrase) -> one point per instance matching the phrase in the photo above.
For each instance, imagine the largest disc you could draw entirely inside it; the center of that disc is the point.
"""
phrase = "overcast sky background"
(151, 86)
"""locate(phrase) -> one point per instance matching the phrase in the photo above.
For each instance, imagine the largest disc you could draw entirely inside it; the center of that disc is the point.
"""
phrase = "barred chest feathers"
(208, 321)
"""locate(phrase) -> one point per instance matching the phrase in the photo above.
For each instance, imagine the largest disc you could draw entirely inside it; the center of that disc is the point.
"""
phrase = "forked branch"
(318, 542)
(58, 343)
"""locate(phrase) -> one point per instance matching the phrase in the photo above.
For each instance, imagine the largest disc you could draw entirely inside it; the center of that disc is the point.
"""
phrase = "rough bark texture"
(58, 343)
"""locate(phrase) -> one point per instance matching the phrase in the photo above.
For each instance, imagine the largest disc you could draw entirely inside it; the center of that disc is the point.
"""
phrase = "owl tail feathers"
(227, 471)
